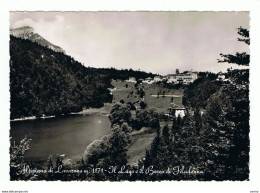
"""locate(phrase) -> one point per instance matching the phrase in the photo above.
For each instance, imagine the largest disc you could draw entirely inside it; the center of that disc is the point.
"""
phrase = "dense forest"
(45, 82)
(215, 140)
(197, 94)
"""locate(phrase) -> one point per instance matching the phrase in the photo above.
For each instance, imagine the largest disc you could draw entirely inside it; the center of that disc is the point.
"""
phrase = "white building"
(172, 78)
(180, 112)
(183, 78)
(177, 111)
(148, 80)
(131, 79)
(157, 78)
(221, 77)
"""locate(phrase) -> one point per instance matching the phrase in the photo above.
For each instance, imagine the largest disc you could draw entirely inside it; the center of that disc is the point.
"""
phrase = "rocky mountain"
(27, 32)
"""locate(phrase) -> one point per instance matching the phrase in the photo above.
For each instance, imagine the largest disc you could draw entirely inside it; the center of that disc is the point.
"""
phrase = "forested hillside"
(215, 142)
(197, 94)
(45, 82)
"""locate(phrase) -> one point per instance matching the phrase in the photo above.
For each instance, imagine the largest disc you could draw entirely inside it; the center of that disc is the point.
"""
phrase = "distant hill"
(27, 32)
(46, 82)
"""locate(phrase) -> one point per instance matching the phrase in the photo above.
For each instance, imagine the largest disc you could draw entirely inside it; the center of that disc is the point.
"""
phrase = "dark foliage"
(240, 58)
(130, 106)
(120, 113)
(197, 94)
(146, 118)
(216, 142)
(244, 33)
(141, 92)
(143, 105)
(45, 82)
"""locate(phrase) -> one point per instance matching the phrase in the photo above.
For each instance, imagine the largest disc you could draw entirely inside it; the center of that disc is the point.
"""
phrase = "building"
(131, 79)
(148, 80)
(157, 78)
(172, 79)
(221, 77)
(176, 110)
(187, 77)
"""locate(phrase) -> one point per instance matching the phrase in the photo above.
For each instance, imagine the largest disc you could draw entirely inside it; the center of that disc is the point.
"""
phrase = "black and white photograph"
(127, 96)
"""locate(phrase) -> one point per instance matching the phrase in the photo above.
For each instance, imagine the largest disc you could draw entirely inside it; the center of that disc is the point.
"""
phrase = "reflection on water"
(68, 135)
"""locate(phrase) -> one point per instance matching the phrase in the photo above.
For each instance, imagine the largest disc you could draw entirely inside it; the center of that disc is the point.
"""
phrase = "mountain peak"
(27, 32)
(22, 28)
(22, 32)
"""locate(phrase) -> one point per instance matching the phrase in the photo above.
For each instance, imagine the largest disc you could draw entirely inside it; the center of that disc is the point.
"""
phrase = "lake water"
(68, 135)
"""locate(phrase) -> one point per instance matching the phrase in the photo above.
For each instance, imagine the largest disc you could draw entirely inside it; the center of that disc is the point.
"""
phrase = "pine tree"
(240, 58)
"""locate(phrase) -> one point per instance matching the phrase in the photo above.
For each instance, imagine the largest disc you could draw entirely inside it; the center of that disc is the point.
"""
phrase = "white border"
(134, 5)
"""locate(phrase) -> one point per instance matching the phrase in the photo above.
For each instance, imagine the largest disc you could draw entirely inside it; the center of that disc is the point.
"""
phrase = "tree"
(49, 163)
(110, 150)
(174, 125)
(165, 132)
(239, 58)
(120, 113)
(147, 118)
(143, 105)
(198, 120)
(244, 33)
(49, 166)
(130, 106)
(155, 123)
(197, 94)
(17, 162)
(179, 120)
(227, 130)
(141, 92)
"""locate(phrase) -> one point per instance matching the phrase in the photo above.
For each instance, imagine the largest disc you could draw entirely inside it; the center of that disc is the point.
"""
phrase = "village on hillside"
(185, 78)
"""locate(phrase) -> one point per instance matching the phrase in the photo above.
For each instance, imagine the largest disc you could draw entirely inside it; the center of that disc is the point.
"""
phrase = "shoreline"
(100, 111)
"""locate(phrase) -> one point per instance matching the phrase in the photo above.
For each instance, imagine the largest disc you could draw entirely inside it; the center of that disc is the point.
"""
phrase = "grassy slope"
(139, 145)
(160, 104)
(142, 140)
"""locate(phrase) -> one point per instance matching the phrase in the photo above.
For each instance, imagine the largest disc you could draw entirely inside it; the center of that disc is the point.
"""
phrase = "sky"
(157, 42)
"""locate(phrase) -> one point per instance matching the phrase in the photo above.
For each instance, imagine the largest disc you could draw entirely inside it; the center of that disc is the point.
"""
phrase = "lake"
(68, 135)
